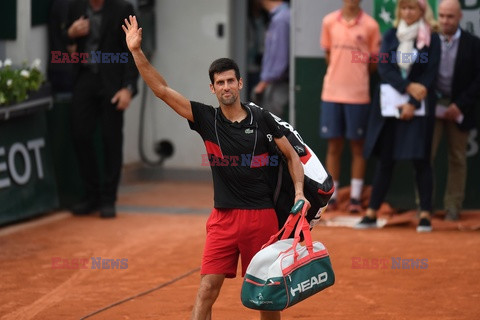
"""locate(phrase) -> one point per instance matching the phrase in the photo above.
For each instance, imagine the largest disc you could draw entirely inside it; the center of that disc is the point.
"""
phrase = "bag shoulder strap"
(265, 128)
(259, 118)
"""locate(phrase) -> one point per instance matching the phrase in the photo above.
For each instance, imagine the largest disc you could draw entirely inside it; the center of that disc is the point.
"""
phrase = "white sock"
(356, 186)
(334, 195)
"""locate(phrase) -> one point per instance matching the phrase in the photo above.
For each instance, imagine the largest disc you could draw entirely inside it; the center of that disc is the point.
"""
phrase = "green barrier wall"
(27, 184)
(309, 73)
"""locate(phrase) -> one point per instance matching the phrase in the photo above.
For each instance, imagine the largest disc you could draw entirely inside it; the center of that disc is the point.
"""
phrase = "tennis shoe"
(366, 223)
(424, 225)
(355, 206)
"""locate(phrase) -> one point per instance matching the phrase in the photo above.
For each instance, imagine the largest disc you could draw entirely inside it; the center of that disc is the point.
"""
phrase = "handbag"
(284, 272)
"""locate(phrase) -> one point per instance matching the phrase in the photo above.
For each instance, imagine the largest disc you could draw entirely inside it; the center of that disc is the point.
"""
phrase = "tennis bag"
(318, 184)
(284, 272)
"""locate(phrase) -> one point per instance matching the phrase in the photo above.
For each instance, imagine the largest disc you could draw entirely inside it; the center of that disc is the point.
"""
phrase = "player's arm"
(294, 167)
(156, 82)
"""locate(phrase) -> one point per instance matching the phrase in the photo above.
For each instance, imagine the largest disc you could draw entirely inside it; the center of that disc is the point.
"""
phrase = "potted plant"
(22, 90)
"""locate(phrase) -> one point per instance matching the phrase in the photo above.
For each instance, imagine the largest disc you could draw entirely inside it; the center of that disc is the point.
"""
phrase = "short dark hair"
(222, 65)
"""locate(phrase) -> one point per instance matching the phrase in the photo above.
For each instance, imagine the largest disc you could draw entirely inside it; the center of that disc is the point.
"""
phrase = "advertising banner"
(27, 182)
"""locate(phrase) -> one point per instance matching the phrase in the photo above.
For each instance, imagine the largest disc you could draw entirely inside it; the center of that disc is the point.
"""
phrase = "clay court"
(160, 230)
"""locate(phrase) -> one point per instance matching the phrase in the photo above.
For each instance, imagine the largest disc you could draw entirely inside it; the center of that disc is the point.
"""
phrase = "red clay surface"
(160, 229)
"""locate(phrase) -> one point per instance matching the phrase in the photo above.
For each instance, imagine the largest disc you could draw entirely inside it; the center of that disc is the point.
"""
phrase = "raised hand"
(133, 34)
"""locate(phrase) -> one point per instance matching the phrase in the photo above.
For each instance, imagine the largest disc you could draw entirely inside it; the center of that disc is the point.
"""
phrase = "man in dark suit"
(59, 74)
(104, 85)
(458, 86)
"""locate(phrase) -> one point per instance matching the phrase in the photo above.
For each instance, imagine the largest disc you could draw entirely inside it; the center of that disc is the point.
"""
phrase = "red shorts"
(234, 232)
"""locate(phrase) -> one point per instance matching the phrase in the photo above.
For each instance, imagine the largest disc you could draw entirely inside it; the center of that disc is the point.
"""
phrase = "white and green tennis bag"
(284, 272)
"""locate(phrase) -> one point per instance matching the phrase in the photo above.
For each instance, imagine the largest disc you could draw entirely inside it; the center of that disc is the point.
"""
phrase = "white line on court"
(20, 226)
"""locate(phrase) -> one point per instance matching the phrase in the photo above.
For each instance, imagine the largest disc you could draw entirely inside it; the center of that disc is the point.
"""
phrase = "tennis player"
(243, 218)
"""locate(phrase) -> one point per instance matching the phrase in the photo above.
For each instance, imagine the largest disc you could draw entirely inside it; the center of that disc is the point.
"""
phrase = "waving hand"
(156, 82)
(133, 34)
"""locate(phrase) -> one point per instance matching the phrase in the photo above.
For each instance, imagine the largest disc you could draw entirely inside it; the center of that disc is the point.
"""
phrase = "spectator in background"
(273, 85)
(101, 94)
(346, 34)
(458, 88)
(257, 25)
(407, 137)
(60, 75)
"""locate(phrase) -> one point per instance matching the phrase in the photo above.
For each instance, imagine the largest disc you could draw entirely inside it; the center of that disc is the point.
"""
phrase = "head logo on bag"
(309, 283)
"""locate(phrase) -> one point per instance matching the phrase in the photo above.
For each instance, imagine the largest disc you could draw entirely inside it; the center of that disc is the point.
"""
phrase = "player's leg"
(220, 259)
(257, 228)
(270, 315)
(207, 294)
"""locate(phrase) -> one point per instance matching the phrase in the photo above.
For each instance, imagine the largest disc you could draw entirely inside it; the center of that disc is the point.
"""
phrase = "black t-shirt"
(238, 155)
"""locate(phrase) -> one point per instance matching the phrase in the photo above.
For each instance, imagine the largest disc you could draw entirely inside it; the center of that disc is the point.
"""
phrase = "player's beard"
(230, 100)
